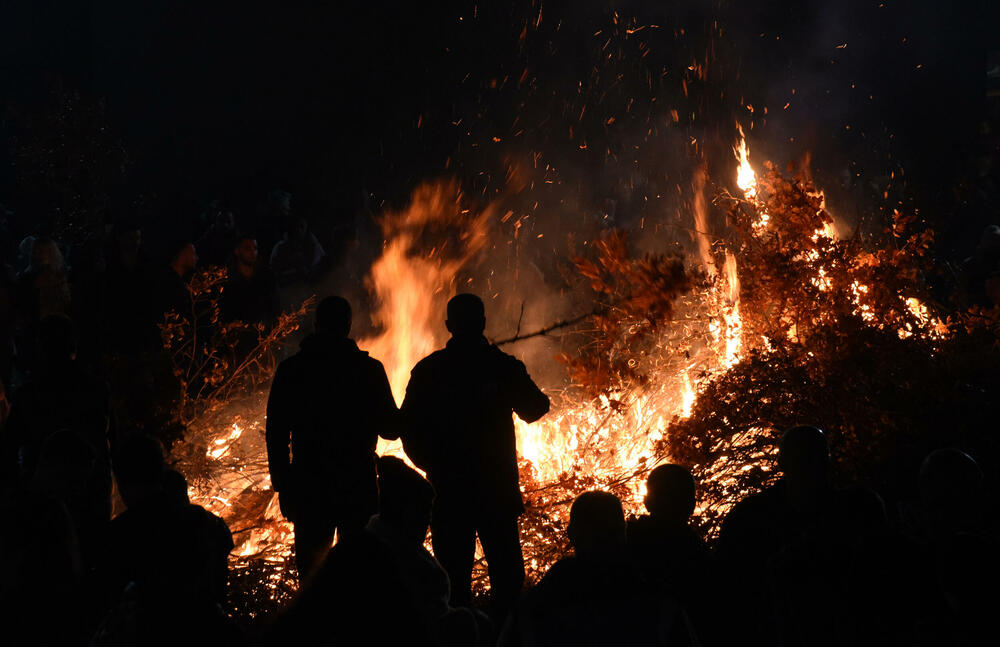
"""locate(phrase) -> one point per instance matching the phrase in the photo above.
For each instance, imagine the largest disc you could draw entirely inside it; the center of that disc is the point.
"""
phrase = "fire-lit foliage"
(841, 334)
(224, 370)
(634, 298)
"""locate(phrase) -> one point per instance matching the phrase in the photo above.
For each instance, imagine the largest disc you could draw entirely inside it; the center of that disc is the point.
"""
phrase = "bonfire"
(699, 359)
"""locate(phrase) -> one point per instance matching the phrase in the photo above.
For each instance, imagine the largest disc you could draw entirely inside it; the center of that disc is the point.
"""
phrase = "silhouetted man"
(217, 243)
(665, 547)
(955, 509)
(297, 256)
(328, 405)
(779, 544)
(173, 294)
(163, 559)
(250, 294)
(405, 505)
(459, 429)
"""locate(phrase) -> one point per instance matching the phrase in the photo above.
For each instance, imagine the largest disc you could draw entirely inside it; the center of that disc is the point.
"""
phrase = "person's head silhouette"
(670, 493)
(333, 316)
(466, 316)
(405, 498)
(951, 485)
(597, 526)
(804, 459)
(139, 468)
(175, 486)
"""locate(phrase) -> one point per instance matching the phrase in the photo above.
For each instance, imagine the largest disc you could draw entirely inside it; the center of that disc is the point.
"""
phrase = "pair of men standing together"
(331, 402)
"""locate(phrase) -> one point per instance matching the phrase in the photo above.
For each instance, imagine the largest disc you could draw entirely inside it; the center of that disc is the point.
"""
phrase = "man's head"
(597, 526)
(224, 219)
(989, 241)
(56, 339)
(246, 251)
(280, 202)
(333, 316)
(129, 239)
(670, 493)
(466, 316)
(951, 489)
(139, 467)
(405, 498)
(804, 458)
(175, 486)
(183, 257)
(45, 255)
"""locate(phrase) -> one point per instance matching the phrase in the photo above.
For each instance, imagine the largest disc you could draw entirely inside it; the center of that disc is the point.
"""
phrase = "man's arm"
(278, 432)
(414, 418)
(527, 400)
(385, 415)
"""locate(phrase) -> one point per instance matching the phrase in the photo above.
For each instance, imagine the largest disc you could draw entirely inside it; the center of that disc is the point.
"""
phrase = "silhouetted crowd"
(800, 563)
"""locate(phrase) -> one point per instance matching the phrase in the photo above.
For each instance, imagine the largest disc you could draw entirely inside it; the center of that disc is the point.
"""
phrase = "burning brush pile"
(700, 359)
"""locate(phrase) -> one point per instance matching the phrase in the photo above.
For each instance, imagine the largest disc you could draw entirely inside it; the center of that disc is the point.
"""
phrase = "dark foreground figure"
(671, 554)
(381, 586)
(597, 596)
(165, 566)
(328, 406)
(459, 428)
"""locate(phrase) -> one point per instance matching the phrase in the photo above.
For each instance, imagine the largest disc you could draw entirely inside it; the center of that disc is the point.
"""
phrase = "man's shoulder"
(436, 361)
(755, 509)
(290, 364)
(639, 525)
(499, 356)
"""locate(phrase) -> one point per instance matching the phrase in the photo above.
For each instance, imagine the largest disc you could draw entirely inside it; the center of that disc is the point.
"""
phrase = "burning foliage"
(810, 329)
(838, 336)
(635, 298)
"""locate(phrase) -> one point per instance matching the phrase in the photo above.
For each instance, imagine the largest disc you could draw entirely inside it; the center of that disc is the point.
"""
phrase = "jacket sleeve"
(416, 418)
(385, 415)
(278, 431)
(527, 400)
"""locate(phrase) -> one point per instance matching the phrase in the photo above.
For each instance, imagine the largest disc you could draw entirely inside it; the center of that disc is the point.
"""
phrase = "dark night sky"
(233, 98)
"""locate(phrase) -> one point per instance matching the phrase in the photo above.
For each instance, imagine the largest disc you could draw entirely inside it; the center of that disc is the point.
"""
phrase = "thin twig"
(565, 323)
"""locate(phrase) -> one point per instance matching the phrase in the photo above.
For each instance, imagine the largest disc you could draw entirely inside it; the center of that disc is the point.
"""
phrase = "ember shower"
(529, 215)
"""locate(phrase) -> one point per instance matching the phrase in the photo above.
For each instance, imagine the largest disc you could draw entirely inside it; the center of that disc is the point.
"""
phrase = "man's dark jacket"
(328, 404)
(458, 426)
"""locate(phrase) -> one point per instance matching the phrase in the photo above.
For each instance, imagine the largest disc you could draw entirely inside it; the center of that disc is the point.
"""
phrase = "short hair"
(596, 518)
(175, 486)
(57, 337)
(140, 462)
(949, 476)
(466, 313)
(401, 488)
(333, 314)
(803, 448)
(670, 490)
